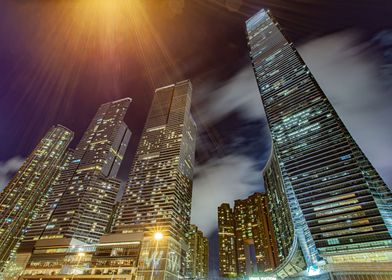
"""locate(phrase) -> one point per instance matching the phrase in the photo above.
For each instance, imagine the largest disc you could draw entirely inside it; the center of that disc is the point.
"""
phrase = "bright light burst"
(70, 42)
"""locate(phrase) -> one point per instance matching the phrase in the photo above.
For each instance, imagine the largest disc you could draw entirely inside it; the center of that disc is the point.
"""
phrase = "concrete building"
(227, 245)
(247, 244)
(197, 255)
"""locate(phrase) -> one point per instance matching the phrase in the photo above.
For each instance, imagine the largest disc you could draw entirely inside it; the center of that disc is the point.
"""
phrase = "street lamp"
(157, 237)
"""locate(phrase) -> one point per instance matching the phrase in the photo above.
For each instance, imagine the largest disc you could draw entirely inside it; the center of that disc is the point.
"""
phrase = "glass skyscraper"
(80, 202)
(26, 192)
(159, 192)
(85, 206)
(340, 207)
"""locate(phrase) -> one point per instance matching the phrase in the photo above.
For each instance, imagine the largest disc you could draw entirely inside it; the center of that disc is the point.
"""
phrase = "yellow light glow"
(158, 236)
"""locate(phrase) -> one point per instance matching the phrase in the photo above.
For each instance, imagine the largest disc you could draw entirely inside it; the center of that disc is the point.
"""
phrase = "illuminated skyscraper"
(26, 192)
(42, 217)
(290, 258)
(227, 245)
(159, 193)
(81, 200)
(89, 185)
(254, 234)
(197, 255)
(246, 237)
(340, 207)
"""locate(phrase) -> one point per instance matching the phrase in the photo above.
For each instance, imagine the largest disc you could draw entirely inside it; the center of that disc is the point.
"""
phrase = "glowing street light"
(158, 236)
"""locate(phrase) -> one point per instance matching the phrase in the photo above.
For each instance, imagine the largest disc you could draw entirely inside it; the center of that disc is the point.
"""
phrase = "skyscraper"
(227, 245)
(340, 207)
(86, 203)
(246, 234)
(158, 196)
(291, 260)
(80, 203)
(25, 193)
(197, 255)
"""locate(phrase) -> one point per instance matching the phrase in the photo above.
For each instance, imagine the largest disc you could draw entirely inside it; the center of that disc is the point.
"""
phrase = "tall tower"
(340, 207)
(159, 192)
(81, 201)
(26, 192)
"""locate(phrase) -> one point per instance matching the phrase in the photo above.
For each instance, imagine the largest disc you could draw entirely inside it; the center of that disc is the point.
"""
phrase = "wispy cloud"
(350, 74)
(8, 168)
(239, 94)
(222, 180)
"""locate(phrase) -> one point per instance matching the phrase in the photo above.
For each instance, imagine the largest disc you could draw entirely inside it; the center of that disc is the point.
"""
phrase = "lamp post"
(157, 237)
(80, 255)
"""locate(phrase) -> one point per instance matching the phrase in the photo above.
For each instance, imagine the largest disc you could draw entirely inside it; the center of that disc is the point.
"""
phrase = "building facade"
(291, 260)
(255, 237)
(80, 203)
(159, 192)
(85, 206)
(197, 255)
(227, 245)
(340, 207)
(247, 238)
(151, 223)
(25, 194)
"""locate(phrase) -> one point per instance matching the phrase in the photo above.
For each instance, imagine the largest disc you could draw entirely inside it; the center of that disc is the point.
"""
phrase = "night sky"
(59, 60)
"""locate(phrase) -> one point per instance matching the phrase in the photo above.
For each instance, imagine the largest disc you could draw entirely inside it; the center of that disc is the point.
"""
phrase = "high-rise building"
(85, 206)
(279, 209)
(42, 217)
(340, 207)
(26, 192)
(246, 238)
(291, 259)
(197, 255)
(80, 203)
(227, 245)
(157, 199)
(254, 234)
(149, 238)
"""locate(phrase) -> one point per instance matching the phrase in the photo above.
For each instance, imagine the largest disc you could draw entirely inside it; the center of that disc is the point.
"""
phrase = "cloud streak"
(239, 94)
(8, 169)
(350, 74)
(222, 180)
